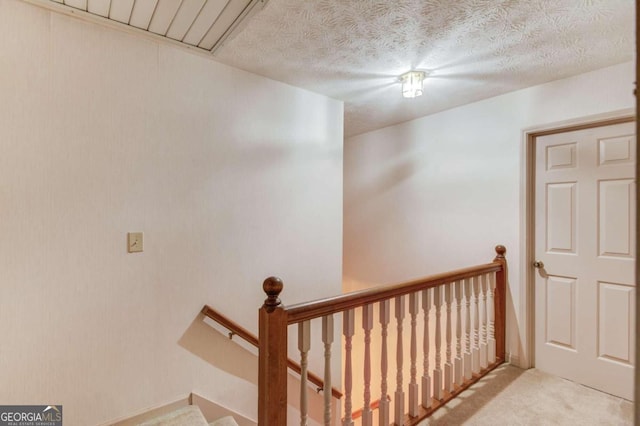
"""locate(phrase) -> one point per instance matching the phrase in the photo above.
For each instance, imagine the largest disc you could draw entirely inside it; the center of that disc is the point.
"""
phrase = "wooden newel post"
(272, 363)
(500, 302)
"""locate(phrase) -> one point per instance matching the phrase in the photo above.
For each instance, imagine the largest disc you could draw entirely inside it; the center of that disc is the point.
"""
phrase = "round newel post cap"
(272, 286)
(500, 250)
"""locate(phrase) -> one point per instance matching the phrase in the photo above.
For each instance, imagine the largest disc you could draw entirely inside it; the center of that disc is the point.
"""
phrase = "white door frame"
(526, 310)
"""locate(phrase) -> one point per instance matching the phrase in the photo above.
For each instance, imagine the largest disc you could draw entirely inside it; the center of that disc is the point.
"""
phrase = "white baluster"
(457, 362)
(367, 325)
(491, 343)
(483, 328)
(399, 394)
(437, 372)
(348, 328)
(383, 408)
(448, 366)
(327, 339)
(413, 384)
(467, 329)
(475, 352)
(304, 344)
(426, 378)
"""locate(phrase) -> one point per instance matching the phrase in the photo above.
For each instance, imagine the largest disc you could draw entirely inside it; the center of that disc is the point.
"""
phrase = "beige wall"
(232, 178)
(439, 192)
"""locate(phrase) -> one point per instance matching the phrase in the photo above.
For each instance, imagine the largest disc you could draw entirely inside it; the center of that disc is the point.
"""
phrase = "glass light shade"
(412, 84)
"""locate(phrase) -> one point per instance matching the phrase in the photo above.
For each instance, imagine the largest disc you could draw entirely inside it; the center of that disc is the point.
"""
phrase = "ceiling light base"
(412, 83)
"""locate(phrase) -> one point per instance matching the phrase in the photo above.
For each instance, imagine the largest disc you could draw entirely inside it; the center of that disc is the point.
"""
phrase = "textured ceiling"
(354, 50)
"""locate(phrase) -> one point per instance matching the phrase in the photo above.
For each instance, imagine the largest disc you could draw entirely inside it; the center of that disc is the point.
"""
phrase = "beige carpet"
(511, 396)
(187, 416)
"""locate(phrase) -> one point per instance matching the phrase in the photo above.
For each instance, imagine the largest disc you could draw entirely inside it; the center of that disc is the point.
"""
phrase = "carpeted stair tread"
(225, 421)
(186, 416)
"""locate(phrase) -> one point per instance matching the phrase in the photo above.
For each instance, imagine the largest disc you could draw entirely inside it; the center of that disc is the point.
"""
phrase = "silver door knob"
(538, 264)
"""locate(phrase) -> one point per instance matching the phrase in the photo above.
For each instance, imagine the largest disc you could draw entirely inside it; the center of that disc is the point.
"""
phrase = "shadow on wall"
(514, 349)
(212, 346)
(389, 176)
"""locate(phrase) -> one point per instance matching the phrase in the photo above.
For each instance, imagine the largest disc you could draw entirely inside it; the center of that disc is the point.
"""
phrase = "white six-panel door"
(585, 240)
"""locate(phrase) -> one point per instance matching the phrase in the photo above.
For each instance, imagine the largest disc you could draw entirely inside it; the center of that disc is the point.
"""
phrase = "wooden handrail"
(321, 307)
(274, 319)
(239, 331)
(230, 325)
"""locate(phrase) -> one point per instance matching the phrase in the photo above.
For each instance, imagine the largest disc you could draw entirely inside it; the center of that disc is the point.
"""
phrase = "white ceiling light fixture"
(412, 83)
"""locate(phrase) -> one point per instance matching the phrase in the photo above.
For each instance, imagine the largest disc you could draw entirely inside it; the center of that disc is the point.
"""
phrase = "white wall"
(232, 177)
(439, 192)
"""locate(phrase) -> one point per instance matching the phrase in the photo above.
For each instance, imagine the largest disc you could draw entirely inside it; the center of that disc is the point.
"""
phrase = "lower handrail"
(238, 330)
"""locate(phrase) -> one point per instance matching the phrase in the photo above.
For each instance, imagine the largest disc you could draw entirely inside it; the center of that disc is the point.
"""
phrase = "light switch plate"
(134, 241)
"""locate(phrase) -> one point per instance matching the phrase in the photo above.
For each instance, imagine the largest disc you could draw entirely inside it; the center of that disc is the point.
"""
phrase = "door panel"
(585, 237)
(560, 310)
(561, 217)
(615, 330)
(620, 150)
(561, 156)
(615, 217)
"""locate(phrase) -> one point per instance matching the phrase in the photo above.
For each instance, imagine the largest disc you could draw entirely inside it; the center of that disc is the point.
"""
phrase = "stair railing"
(237, 330)
(472, 301)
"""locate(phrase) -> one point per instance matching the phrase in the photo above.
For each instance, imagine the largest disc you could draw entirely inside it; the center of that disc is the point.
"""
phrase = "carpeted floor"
(511, 396)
